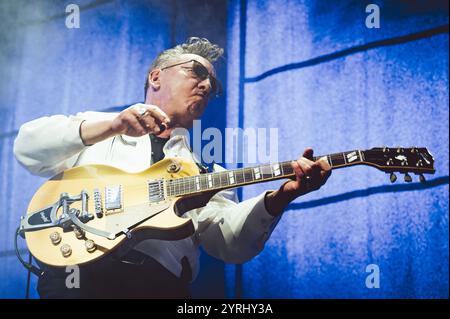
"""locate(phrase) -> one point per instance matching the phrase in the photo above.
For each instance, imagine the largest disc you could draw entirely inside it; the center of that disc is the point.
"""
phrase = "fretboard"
(251, 175)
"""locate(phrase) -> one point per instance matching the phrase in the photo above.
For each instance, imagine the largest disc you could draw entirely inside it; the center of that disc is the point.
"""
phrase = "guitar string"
(189, 182)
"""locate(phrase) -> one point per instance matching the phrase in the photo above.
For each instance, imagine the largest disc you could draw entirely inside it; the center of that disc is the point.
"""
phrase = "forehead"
(202, 60)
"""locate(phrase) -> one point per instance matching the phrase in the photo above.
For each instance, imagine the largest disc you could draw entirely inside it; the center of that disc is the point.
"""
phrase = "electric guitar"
(86, 212)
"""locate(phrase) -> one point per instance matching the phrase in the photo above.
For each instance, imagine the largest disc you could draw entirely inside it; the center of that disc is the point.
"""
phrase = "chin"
(195, 109)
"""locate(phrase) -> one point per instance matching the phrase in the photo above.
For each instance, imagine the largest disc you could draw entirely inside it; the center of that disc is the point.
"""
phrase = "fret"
(197, 183)
(287, 168)
(216, 180)
(168, 188)
(281, 169)
(361, 158)
(329, 160)
(351, 157)
(223, 178)
(242, 175)
(220, 175)
(203, 182)
(209, 178)
(231, 179)
(239, 175)
(248, 174)
(186, 184)
(176, 186)
(266, 171)
(338, 159)
(257, 172)
(276, 169)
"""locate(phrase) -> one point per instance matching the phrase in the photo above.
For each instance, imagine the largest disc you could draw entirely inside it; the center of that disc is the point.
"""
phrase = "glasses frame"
(216, 86)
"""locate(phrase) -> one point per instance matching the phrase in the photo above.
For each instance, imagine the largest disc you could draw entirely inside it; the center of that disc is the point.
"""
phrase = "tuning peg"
(408, 178)
(422, 178)
(393, 178)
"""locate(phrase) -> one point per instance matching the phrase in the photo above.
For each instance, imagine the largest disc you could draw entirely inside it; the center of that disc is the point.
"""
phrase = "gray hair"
(193, 45)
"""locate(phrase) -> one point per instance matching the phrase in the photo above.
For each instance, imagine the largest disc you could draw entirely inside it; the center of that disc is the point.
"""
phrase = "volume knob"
(90, 245)
(66, 250)
(55, 237)
(79, 233)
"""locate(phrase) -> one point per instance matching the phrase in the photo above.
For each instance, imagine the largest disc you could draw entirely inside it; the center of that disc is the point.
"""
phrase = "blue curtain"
(49, 69)
(313, 70)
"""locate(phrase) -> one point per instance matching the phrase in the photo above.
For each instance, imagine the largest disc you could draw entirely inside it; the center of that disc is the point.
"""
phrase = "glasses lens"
(203, 73)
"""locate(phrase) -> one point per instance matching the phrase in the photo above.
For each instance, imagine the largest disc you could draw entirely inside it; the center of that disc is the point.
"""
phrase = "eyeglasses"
(202, 73)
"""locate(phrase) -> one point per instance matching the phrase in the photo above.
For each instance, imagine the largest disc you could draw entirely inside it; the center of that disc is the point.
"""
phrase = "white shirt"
(230, 231)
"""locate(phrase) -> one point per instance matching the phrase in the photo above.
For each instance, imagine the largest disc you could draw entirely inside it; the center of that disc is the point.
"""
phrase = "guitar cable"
(28, 265)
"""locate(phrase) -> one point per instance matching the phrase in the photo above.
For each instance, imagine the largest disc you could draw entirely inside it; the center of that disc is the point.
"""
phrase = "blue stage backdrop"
(49, 69)
(312, 70)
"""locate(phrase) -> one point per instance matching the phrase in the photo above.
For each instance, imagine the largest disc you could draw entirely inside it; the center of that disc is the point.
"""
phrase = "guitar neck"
(251, 175)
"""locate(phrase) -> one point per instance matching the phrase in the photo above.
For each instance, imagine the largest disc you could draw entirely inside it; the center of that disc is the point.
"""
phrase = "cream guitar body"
(136, 219)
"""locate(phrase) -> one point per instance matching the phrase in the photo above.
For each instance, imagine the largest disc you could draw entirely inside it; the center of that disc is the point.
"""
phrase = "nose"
(206, 86)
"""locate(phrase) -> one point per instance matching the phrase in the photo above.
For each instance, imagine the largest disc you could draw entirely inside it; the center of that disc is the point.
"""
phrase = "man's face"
(182, 94)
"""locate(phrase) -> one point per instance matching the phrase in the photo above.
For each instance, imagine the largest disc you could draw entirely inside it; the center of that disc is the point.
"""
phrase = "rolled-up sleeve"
(234, 232)
(49, 145)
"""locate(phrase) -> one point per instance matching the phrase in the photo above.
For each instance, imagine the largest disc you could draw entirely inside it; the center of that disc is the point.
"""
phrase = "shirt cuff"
(73, 139)
(260, 208)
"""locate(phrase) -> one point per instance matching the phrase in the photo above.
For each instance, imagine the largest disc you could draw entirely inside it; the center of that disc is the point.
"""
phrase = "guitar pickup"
(113, 198)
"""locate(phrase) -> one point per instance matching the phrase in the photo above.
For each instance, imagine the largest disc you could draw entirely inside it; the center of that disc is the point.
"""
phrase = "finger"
(158, 114)
(297, 170)
(325, 175)
(308, 153)
(137, 111)
(307, 161)
(325, 169)
(132, 122)
(305, 165)
(324, 164)
(315, 170)
(147, 121)
(150, 124)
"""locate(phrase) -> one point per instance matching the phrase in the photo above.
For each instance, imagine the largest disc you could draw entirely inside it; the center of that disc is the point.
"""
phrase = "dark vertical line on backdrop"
(242, 45)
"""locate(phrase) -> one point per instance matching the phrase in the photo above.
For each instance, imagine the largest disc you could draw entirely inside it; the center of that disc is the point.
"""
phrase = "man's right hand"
(137, 120)
(140, 119)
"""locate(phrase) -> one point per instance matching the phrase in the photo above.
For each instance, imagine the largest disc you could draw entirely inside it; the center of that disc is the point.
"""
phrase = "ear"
(154, 79)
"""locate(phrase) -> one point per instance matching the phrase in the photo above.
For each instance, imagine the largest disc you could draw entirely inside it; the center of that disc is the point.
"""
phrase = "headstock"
(417, 160)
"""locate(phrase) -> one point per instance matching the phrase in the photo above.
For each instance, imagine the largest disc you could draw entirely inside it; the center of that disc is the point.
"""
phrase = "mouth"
(201, 94)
